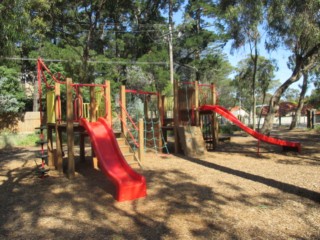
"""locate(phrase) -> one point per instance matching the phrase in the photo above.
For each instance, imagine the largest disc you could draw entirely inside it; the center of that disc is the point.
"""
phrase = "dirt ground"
(231, 193)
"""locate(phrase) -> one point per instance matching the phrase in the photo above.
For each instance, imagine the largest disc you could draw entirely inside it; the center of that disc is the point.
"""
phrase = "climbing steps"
(42, 169)
(129, 154)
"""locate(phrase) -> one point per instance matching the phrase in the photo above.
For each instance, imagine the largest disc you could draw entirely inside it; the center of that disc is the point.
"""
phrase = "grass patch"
(10, 140)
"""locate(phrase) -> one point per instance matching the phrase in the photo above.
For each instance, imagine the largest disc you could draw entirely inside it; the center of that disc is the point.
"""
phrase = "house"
(239, 112)
(285, 113)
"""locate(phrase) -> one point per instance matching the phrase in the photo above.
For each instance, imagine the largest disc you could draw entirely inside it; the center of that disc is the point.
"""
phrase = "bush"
(9, 140)
(228, 128)
(11, 93)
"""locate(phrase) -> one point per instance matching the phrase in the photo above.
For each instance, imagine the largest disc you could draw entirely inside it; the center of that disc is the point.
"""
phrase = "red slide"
(228, 115)
(129, 184)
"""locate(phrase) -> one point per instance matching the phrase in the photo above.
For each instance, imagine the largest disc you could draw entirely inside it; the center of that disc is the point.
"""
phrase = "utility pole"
(175, 84)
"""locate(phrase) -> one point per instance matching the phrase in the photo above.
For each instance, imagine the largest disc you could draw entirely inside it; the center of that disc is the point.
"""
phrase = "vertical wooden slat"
(196, 102)
(215, 125)
(59, 160)
(82, 147)
(160, 110)
(50, 146)
(141, 140)
(70, 133)
(107, 94)
(176, 117)
(123, 113)
(93, 105)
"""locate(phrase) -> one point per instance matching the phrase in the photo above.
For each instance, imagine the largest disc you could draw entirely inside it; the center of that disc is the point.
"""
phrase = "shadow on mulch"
(285, 187)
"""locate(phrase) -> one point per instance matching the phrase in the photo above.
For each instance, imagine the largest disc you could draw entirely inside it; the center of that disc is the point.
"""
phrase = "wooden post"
(79, 106)
(93, 105)
(50, 146)
(146, 108)
(59, 160)
(123, 112)
(107, 94)
(196, 103)
(176, 117)
(141, 140)
(160, 110)
(215, 124)
(82, 147)
(93, 118)
(70, 133)
(163, 115)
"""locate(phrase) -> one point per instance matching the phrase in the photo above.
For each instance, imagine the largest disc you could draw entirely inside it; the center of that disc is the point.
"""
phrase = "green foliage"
(243, 80)
(11, 93)
(291, 95)
(314, 99)
(228, 128)
(9, 140)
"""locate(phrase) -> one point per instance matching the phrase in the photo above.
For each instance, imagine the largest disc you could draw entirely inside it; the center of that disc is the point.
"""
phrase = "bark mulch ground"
(232, 193)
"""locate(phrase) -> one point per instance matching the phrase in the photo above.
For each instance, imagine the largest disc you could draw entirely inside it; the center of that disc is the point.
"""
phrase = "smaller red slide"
(129, 184)
(228, 115)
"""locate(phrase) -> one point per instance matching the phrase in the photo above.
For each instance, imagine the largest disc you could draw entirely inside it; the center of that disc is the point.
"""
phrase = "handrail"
(128, 115)
(141, 92)
(132, 137)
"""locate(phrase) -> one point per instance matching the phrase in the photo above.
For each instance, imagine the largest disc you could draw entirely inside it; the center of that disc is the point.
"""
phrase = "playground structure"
(129, 184)
(194, 125)
(195, 108)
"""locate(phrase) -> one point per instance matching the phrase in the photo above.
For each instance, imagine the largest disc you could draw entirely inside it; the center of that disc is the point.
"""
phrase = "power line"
(90, 61)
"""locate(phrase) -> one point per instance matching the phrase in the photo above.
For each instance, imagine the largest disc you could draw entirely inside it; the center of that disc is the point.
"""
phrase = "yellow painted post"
(141, 140)
(51, 118)
(70, 133)
(57, 103)
(123, 113)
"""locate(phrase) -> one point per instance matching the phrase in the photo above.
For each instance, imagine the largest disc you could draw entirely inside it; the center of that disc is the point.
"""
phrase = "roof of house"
(239, 110)
(285, 108)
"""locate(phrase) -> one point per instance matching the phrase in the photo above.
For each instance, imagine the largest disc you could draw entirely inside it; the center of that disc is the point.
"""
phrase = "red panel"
(129, 184)
(228, 115)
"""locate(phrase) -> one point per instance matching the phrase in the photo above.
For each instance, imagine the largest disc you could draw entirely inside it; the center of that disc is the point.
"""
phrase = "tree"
(242, 20)
(297, 114)
(291, 95)
(295, 26)
(11, 93)
(264, 69)
(196, 40)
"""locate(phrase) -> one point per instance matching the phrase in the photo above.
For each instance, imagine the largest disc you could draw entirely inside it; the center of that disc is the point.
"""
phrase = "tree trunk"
(300, 103)
(274, 101)
(197, 53)
(35, 107)
(254, 99)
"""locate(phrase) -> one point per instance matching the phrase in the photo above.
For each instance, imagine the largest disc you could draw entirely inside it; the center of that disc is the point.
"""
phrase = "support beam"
(123, 111)
(196, 103)
(70, 133)
(107, 94)
(176, 117)
(141, 140)
(160, 111)
(215, 124)
(93, 105)
(59, 160)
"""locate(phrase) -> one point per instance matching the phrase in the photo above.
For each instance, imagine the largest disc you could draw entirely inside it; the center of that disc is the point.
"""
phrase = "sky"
(281, 56)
